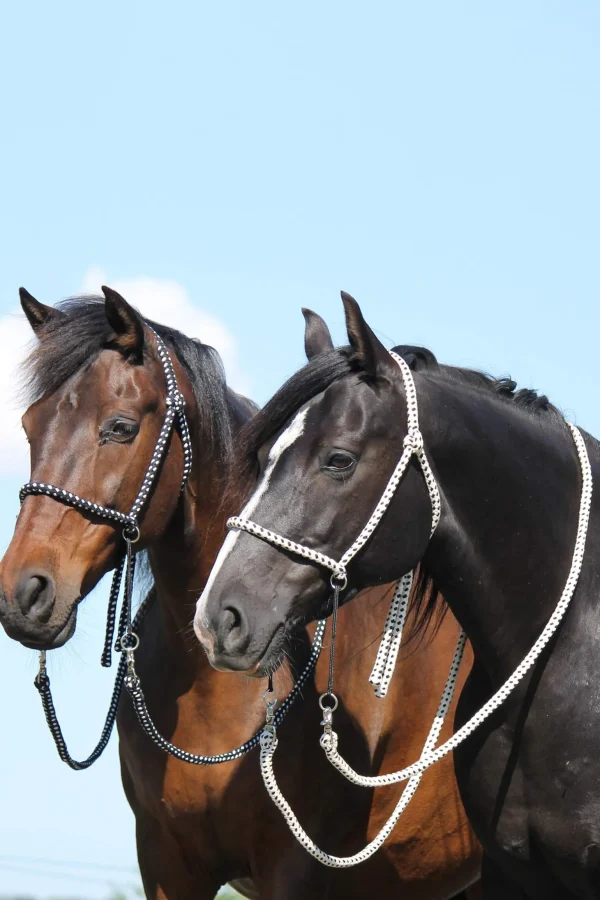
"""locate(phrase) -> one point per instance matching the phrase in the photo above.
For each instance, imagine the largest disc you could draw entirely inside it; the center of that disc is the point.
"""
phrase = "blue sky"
(237, 161)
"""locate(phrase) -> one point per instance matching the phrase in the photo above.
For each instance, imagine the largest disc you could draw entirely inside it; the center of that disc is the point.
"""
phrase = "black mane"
(68, 346)
(325, 369)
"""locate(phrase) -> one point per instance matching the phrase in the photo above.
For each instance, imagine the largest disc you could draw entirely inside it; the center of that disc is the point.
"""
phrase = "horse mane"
(66, 347)
(325, 369)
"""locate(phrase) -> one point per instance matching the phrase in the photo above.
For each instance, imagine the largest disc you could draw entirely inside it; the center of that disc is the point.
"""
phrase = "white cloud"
(164, 301)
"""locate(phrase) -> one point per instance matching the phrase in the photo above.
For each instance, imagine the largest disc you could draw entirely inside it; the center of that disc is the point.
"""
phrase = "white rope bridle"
(392, 636)
(413, 444)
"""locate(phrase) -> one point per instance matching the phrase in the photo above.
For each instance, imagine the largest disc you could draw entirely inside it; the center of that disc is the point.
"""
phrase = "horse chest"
(194, 790)
(165, 787)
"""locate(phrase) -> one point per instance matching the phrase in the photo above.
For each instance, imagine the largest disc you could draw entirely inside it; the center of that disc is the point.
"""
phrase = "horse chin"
(64, 633)
(253, 665)
(273, 655)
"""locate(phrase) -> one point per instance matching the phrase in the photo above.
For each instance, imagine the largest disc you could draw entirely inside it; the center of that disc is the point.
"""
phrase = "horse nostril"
(35, 595)
(232, 619)
(234, 629)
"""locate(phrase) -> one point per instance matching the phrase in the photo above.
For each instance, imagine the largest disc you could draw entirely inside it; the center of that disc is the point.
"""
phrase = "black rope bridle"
(126, 636)
(130, 521)
(127, 632)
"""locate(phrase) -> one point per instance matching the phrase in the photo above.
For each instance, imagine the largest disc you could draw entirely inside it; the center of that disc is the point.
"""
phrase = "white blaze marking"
(285, 440)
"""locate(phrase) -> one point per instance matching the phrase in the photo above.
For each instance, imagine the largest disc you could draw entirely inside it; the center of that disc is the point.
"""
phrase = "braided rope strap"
(413, 445)
(42, 683)
(268, 744)
(430, 755)
(271, 537)
(111, 613)
(387, 654)
(491, 705)
(132, 683)
(126, 674)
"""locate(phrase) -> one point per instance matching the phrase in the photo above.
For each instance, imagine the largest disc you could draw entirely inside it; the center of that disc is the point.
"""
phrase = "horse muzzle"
(31, 615)
(231, 645)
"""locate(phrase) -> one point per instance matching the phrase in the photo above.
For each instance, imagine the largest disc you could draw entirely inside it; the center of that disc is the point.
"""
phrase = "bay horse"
(513, 482)
(98, 402)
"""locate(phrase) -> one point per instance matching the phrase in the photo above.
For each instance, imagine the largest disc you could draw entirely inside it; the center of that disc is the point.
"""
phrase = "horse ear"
(417, 358)
(369, 352)
(126, 324)
(38, 313)
(317, 338)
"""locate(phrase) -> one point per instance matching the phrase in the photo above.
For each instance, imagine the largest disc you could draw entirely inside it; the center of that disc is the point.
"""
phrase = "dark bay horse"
(511, 483)
(98, 392)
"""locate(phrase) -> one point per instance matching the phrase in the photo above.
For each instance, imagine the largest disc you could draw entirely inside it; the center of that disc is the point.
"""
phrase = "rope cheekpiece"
(127, 638)
(391, 639)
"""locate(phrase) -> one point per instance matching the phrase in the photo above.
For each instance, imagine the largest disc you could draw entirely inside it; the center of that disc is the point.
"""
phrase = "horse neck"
(510, 485)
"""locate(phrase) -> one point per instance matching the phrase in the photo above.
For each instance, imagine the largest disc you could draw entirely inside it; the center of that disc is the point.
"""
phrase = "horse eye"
(340, 462)
(119, 430)
(122, 428)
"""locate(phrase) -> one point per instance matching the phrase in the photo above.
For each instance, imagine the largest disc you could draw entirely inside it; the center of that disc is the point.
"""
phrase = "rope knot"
(42, 682)
(339, 579)
(176, 400)
(414, 440)
(131, 532)
(329, 741)
(268, 739)
(132, 682)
